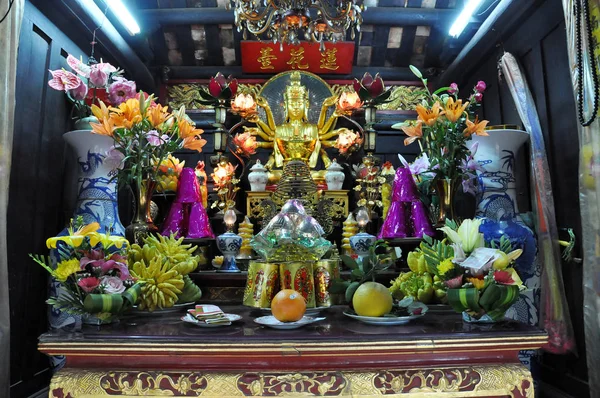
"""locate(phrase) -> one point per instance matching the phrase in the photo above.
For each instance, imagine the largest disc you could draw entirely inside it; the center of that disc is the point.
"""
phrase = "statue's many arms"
(296, 138)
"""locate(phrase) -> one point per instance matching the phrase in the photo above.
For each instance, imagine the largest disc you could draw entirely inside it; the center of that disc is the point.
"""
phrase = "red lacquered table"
(161, 355)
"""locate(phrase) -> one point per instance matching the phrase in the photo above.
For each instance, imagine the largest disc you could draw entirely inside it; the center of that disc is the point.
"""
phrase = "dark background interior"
(39, 203)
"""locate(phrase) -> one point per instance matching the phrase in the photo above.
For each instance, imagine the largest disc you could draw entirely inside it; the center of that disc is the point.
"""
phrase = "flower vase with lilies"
(144, 134)
(444, 125)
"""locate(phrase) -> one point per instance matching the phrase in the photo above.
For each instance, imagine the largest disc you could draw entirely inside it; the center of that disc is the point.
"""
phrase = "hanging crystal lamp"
(289, 21)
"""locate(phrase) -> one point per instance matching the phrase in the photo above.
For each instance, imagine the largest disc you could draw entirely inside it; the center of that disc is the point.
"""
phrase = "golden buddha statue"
(296, 138)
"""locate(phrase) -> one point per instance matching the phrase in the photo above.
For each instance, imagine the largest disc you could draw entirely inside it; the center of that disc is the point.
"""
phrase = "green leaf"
(416, 71)
(349, 261)
(464, 299)
(358, 273)
(338, 286)
(351, 290)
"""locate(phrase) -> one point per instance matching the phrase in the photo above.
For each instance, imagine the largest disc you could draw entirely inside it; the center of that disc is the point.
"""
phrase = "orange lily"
(127, 114)
(454, 110)
(101, 112)
(476, 127)
(414, 132)
(186, 130)
(193, 143)
(105, 127)
(430, 116)
(157, 114)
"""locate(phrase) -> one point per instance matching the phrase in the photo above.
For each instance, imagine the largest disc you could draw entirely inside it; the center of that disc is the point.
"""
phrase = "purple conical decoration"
(405, 189)
(396, 223)
(420, 220)
(199, 225)
(175, 221)
(188, 190)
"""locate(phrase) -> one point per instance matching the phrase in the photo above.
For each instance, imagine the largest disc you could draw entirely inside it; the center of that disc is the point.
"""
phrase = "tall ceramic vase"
(96, 200)
(97, 190)
(497, 152)
(498, 205)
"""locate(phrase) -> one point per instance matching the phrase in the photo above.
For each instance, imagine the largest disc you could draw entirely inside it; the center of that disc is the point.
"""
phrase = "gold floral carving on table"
(405, 98)
(148, 383)
(512, 380)
(315, 384)
(187, 94)
(430, 380)
(337, 210)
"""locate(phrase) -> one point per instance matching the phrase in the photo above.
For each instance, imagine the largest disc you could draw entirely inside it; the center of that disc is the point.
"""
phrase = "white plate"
(387, 320)
(190, 319)
(309, 311)
(271, 322)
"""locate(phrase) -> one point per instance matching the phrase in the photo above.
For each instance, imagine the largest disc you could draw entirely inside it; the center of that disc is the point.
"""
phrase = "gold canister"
(298, 275)
(325, 271)
(262, 284)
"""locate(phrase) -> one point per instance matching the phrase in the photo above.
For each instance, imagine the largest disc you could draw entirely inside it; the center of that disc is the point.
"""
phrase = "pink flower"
(246, 144)
(478, 97)
(154, 139)
(121, 268)
(480, 86)
(63, 80)
(121, 90)
(79, 93)
(453, 89)
(113, 158)
(98, 78)
(112, 285)
(89, 284)
(504, 278)
(94, 257)
(455, 282)
(78, 66)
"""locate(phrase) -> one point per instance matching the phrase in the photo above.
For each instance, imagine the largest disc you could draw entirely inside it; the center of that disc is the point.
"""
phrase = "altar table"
(436, 355)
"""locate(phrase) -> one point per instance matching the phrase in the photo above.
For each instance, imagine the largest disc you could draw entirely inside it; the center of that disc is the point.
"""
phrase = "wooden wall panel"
(36, 209)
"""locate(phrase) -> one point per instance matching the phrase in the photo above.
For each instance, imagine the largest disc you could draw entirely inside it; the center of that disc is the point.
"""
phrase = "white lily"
(468, 235)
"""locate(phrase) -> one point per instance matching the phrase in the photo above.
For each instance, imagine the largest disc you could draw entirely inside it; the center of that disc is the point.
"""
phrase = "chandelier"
(289, 21)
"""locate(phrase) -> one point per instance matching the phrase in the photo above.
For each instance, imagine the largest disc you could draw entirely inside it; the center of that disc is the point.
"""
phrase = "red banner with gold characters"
(260, 57)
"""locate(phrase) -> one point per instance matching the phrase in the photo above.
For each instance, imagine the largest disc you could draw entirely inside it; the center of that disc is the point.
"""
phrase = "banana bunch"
(162, 264)
(162, 285)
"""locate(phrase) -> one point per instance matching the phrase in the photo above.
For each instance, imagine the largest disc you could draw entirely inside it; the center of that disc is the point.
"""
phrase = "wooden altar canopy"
(162, 356)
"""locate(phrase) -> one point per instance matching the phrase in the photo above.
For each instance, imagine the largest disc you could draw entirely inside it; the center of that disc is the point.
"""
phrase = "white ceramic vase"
(334, 176)
(497, 194)
(258, 177)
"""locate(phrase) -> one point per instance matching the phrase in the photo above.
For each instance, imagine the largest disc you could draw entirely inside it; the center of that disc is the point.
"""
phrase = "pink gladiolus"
(89, 284)
(478, 97)
(114, 159)
(122, 270)
(480, 86)
(121, 90)
(63, 80)
(79, 93)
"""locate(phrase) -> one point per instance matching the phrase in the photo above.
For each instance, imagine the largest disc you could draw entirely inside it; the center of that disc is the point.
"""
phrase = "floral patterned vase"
(497, 203)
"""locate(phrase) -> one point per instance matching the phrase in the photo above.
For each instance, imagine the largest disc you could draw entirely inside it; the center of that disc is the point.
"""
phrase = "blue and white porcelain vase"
(497, 203)
(97, 189)
(229, 244)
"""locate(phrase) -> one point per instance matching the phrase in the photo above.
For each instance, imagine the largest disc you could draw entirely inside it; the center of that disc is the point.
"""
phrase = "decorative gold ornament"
(511, 380)
(246, 231)
(349, 229)
(404, 98)
(187, 94)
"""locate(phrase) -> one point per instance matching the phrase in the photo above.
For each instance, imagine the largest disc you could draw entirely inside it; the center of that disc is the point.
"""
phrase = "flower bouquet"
(90, 83)
(92, 272)
(442, 129)
(481, 282)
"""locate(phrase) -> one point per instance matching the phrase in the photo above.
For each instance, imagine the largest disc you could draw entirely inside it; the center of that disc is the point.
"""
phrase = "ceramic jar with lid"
(334, 176)
(258, 177)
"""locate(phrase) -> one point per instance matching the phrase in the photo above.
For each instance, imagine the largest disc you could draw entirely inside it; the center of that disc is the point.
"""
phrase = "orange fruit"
(288, 306)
